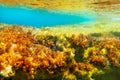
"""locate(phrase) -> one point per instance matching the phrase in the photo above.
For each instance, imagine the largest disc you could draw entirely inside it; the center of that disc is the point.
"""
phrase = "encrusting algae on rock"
(29, 55)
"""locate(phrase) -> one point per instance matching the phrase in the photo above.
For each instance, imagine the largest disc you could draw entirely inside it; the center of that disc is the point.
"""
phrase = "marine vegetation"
(26, 53)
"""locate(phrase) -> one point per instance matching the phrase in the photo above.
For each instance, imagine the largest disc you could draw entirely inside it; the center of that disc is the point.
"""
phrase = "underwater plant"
(27, 54)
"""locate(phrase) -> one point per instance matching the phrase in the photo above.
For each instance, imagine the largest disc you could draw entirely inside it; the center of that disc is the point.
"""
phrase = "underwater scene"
(59, 39)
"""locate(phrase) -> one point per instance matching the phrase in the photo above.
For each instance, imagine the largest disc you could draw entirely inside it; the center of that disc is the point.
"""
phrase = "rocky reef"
(28, 53)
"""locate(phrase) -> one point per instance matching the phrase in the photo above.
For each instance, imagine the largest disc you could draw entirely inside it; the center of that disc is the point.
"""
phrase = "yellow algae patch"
(99, 27)
(64, 4)
(52, 4)
(11, 1)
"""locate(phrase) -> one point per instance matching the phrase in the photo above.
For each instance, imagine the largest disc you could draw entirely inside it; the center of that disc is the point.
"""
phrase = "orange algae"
(64, 57)
(65, 4)
(22, 52)
(50, 4)
(67, 57)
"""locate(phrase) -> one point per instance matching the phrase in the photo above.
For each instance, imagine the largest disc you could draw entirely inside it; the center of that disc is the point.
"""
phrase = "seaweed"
(116, 34)
(58, 57)
(96, 34)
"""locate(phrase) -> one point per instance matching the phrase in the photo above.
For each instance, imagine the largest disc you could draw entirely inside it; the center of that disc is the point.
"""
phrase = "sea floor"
(89, 51)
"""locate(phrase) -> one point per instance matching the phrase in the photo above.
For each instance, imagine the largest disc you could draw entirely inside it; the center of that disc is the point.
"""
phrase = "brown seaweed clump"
(19, 51)
(27, 55)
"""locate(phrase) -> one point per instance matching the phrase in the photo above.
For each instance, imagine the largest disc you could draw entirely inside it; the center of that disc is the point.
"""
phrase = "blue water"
(39, 17)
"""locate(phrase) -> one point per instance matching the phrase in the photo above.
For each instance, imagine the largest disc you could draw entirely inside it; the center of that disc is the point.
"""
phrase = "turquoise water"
(39, 17)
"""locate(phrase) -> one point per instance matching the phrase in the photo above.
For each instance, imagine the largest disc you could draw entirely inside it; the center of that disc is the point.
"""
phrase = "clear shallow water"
(39, 17)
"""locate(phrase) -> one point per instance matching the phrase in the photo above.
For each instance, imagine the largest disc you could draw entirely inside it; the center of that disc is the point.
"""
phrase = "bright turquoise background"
(39, 17)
